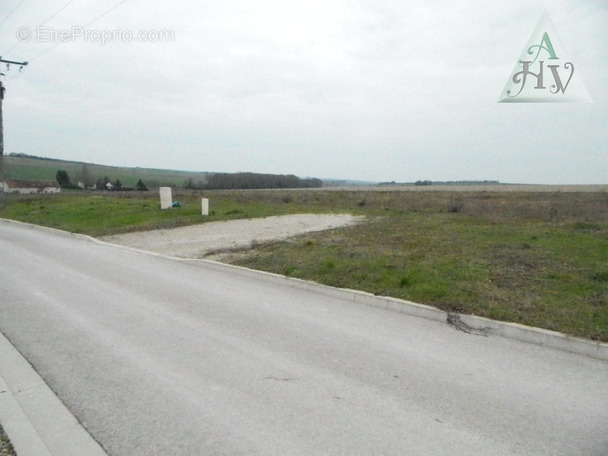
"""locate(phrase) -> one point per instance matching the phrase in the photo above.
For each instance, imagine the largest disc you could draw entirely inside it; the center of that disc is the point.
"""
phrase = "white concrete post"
(165, 197)
(205, 206)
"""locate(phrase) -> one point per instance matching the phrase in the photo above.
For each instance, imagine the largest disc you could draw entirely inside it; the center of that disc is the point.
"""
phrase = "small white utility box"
(205, 206)
(165, 197)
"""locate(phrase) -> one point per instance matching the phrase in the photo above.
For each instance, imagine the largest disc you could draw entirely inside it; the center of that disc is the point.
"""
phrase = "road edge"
(472, 324)
(467, 323)
(480, 326)
(34, 418)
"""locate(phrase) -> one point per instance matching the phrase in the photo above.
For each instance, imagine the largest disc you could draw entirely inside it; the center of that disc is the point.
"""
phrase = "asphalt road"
(164, 357)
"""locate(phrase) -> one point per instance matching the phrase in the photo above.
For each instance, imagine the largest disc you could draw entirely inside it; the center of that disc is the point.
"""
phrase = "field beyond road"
(538, 258)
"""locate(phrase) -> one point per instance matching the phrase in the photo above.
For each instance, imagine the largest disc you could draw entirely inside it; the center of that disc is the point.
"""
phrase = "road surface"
(157, 356)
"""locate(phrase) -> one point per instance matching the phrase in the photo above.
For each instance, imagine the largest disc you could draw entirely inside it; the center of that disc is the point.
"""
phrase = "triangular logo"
(544, 72)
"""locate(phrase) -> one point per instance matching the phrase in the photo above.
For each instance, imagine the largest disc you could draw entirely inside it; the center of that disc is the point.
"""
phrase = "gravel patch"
(199, 241)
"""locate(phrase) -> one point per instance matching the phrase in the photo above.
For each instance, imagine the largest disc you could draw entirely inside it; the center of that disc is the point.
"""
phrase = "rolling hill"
(28, 167)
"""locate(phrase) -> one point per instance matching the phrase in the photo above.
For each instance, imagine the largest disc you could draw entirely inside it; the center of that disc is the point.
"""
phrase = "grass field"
(536, 258)
(31, 168)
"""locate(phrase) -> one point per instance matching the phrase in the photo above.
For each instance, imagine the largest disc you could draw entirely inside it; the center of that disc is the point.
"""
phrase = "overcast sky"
(363, 90)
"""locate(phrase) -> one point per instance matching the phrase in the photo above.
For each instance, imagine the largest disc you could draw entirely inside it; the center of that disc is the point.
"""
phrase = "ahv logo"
(544, 72)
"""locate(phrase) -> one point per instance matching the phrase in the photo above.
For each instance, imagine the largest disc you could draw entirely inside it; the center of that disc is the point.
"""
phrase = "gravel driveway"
(198, 241)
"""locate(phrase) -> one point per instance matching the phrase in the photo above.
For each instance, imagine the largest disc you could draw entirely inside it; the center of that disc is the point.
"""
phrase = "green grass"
(536, 274)
(535, 259)
(101, 213)
(30, 168)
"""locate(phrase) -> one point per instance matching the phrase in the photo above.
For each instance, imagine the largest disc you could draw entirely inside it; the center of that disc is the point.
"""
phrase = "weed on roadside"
(6, 448)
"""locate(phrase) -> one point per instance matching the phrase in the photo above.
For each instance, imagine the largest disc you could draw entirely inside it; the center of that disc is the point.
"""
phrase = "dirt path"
(198, 241)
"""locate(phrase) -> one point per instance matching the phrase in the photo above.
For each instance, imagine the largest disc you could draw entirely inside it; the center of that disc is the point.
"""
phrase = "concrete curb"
(468, 323)
(35, 420)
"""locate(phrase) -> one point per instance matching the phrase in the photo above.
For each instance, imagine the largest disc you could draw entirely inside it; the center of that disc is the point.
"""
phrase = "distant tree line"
(226, 181)
(462, 182)
(190, 184)
(221, 181)
(106, 184)
(103, 183)
(423, 183)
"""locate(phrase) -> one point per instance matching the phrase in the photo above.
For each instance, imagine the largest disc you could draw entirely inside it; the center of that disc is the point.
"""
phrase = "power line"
(12, 47)
(84, 26)
(45, 51)
(59, 11)
(102, 15)
(18, 43)
(11, 13)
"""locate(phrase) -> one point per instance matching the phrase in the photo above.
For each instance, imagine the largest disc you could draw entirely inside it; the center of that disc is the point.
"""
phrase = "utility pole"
(2, 89)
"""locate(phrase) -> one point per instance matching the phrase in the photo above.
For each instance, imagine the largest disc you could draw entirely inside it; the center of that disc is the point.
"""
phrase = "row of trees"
(103, 183)
(226, 181)
(223, 181)
(422, 183)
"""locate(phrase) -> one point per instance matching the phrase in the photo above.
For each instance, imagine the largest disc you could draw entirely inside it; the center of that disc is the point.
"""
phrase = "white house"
(30, 187)
(84, 186)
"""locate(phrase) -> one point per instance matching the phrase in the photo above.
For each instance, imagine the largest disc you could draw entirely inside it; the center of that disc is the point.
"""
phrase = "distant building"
(84, 186)
(30, 187)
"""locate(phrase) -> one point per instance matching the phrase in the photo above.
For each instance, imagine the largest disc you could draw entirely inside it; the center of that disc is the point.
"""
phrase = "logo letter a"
(547, 47)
